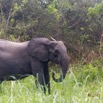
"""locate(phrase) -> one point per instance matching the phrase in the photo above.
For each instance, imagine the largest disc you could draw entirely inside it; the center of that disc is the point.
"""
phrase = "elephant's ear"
(38, 49)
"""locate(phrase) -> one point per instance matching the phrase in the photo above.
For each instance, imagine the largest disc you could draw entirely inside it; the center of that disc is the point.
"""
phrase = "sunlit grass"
(71, 90)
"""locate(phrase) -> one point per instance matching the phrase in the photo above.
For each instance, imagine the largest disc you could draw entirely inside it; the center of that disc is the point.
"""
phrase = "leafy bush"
(90, 72)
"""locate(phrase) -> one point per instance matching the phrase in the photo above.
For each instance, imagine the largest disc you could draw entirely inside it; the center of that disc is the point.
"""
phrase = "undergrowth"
(84, 84)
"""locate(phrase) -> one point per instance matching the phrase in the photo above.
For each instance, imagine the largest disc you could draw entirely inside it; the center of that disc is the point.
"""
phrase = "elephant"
(21, 59)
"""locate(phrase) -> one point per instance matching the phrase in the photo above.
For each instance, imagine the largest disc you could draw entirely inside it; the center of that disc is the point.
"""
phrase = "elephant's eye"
(55, 56)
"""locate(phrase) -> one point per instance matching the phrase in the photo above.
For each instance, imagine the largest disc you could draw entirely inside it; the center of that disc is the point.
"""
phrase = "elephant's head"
(47, 50)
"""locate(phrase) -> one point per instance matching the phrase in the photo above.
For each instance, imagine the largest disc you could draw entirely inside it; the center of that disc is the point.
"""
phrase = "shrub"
(89, 72)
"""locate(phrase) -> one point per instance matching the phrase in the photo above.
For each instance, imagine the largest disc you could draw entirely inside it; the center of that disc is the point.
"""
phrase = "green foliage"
(71, 90)
(76, 23)
(91, 72)
(97, 9)
(52, 7)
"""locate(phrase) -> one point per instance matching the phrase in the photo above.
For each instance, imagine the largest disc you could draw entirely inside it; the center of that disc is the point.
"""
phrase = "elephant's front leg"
(41, 80)
(37, 70)
(47, 77)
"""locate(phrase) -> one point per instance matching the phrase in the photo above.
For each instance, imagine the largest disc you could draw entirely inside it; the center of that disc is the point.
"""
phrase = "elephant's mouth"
(61, 75)
(57, 80)
(64, 65)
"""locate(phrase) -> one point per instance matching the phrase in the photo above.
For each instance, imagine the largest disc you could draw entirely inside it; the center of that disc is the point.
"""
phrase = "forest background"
(79, 23)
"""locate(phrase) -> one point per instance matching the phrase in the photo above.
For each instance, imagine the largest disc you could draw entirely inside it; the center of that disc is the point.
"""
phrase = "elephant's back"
(9, 46)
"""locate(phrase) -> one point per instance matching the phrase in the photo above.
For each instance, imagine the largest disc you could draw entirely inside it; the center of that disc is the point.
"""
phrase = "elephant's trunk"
(64, 64)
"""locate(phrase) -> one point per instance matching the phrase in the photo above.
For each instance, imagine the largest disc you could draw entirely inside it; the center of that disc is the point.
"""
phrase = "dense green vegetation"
(79, 24)
(84, 84)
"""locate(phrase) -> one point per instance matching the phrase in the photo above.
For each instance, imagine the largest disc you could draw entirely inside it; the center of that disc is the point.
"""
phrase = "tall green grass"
(84, 84)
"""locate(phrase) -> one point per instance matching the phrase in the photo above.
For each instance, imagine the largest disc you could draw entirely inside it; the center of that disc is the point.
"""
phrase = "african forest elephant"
(18, 60)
